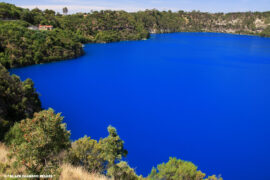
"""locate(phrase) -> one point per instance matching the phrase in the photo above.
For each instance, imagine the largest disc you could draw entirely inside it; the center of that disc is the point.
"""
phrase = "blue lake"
(202, 97)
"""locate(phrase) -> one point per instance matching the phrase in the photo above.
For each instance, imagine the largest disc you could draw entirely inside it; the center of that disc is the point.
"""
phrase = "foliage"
(8, 11)
(39, 142)
(18, 100)
(177, 169)
(86, 152)
(105, 26)
(122, 171)
(97, 157)
(112, 147)
(21, 46)
(266, 32)
(214, 177)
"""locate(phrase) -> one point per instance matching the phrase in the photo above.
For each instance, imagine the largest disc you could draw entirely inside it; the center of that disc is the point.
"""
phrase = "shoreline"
(83, 45)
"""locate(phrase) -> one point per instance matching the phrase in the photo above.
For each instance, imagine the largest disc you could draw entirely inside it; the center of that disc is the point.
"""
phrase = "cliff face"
(238, 23)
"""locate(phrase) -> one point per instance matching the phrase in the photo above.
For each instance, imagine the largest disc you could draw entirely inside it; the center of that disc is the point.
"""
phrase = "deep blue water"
(202, 97)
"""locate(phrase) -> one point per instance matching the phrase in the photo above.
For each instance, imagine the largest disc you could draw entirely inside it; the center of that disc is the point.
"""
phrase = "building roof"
(48, 26)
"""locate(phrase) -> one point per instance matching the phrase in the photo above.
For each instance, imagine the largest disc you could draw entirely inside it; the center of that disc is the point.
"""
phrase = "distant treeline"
(21, 46)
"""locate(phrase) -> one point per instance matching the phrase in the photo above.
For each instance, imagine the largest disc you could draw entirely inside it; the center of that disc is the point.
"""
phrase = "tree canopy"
(35, 143)
(18, 100)
(177, 169)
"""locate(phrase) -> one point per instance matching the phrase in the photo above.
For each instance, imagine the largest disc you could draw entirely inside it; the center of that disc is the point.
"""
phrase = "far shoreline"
(84, 53)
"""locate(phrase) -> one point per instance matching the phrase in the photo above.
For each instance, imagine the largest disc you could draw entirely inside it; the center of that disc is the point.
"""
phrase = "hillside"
(195, 21)
(21, 46)
(68, 172)
(18, 100)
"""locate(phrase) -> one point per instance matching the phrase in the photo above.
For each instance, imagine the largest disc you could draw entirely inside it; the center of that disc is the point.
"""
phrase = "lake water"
(202, 97)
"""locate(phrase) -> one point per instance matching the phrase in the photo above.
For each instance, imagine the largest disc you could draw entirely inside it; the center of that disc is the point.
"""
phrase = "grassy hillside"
(70, 172)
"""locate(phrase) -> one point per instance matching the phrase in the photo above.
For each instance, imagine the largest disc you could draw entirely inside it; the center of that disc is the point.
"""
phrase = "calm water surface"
(203, 97)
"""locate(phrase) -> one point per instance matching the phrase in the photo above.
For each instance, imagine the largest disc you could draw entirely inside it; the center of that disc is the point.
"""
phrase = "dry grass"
(70, 172)
(4, 161)
(3, 154)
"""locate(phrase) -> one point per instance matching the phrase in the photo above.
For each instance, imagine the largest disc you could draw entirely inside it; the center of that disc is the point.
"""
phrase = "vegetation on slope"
(36, 142)
(176, 169)
(18, 100)
(105, 26)
(21, 46)
(41, 145)
(195, 21)
(266, 32)
(9, 11)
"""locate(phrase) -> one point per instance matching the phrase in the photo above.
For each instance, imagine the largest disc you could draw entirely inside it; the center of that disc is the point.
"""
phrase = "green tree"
(18, 100)
(86, 152)
(266, 32)
(214, 177)
(98, 156)
(112, 147)
(37, 142)
(176, 169)
(122, 171)
(9, 11)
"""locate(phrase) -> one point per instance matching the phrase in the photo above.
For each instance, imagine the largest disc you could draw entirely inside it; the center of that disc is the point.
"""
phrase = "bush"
(266, 32)
(122, 171)
(86, 152)
(98, 157)
(36, 143)
(177, 169)
(18, 100)
(112, 147)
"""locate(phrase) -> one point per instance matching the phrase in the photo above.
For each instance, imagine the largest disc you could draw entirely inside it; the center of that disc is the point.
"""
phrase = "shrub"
(98, 157)
(177, 169)
(122, 171)
(18, 100)
(36, 143)
(112, 147)
(86, 152)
